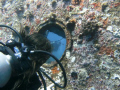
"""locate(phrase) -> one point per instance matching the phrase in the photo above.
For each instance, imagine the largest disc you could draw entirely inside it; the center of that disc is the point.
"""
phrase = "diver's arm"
(5, 69)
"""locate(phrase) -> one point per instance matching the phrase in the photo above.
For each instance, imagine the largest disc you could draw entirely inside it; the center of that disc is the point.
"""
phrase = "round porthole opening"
(56, 35)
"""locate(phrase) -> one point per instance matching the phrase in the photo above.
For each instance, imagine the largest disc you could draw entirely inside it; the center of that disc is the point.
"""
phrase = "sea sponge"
(88, 28)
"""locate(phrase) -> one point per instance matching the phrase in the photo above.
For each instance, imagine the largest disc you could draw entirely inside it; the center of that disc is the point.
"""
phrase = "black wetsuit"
(33, 83)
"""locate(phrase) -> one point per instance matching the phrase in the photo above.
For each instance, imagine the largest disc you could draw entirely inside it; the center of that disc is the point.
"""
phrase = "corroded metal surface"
(95, 52)
(53, 21)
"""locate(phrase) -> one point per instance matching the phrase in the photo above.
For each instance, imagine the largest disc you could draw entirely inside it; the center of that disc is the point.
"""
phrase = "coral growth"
(106, 50)
(88, 28)
(55, 70)
(97, 6)
(94, 26)
(77, 2)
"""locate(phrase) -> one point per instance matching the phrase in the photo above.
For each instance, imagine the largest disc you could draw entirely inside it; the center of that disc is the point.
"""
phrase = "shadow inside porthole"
(56, 35)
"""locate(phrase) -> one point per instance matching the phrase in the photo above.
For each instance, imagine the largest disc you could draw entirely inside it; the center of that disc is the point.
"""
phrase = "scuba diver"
(20, 62)
(29, 79)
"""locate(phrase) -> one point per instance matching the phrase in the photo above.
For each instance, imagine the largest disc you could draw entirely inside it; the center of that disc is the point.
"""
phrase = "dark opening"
(56, 35)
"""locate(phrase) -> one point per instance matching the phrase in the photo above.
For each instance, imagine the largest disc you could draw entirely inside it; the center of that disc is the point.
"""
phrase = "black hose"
(40, 74)
(2, 44)
(14, 31)
(64, 73)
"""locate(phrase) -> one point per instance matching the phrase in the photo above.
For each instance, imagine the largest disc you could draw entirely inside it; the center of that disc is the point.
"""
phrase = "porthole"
(59, 38)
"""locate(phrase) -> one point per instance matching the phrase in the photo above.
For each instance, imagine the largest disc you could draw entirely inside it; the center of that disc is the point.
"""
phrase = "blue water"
(58, 42)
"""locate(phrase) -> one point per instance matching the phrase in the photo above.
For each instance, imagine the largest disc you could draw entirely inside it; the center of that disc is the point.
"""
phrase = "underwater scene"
(84, 36)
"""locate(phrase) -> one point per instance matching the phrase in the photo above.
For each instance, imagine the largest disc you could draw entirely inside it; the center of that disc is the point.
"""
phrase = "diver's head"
(38, 42)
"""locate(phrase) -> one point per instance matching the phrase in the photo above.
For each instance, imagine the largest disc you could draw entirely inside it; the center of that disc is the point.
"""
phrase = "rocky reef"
(92, 27)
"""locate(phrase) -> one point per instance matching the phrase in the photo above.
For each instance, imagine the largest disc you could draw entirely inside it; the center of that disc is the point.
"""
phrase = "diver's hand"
(5, 69)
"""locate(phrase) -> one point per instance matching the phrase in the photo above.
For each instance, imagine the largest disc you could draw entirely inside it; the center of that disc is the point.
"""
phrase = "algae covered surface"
(93, 60)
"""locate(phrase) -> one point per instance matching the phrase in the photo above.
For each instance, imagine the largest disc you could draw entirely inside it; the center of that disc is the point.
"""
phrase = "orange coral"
(73, 20)
(106, 50)
(92, 15)
(75, 2)
(97, 6)
(117, 4)
(55, 70)
(105, 22)
(78, 2)
(37, 21)
(81, 2)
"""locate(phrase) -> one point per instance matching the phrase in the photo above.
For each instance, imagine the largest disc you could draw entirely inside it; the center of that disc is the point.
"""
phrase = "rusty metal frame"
(52, 20)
